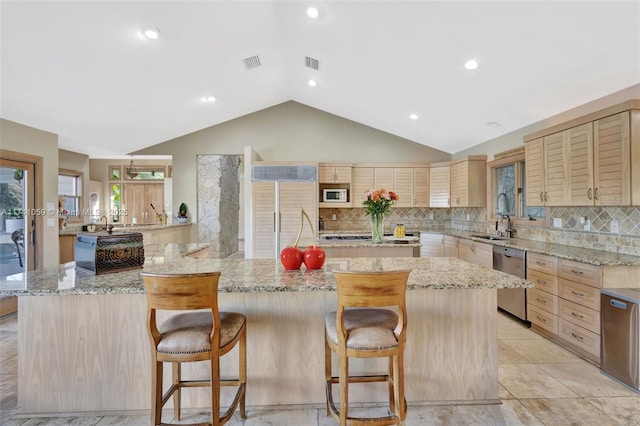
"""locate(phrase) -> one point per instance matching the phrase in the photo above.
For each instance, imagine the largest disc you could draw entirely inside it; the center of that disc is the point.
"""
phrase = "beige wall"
(514, 139)
(20, 138)
(287, 132)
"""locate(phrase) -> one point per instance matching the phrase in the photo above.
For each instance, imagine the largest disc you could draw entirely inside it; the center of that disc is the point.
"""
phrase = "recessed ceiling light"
(493, 124)
(208, 99)
(312, 12)
(150, 33)
(312, 83)
(471, 64)
(413, 116)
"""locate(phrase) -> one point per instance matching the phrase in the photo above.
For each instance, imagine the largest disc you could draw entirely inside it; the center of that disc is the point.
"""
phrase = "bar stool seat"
(197, 335)
(363, 326)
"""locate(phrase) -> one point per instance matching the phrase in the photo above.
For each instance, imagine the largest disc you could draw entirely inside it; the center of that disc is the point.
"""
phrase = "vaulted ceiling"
(81, 69)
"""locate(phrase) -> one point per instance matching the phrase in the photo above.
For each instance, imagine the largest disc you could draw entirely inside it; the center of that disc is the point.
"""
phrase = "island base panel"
(90, 353)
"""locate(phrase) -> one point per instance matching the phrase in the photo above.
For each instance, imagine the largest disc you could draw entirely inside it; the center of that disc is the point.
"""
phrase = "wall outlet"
(431, 216)
(587, 225)
(615, 226)
(557, 222)
(468, 216)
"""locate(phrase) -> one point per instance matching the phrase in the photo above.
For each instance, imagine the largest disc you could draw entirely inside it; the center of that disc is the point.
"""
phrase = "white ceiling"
(80, 69)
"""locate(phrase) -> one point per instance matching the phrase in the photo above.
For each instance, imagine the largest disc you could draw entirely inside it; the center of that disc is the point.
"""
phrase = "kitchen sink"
(490, 237)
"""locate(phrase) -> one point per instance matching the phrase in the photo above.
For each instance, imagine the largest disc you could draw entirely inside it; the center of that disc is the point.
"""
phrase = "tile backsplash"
(612, 229)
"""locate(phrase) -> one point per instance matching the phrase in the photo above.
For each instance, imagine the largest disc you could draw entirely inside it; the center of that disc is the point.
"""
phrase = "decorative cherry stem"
(303, 215)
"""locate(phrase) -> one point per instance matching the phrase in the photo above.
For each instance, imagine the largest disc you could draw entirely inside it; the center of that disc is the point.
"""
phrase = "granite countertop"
(389, 242)
(253, 275)
(75, 230)
(577, 254)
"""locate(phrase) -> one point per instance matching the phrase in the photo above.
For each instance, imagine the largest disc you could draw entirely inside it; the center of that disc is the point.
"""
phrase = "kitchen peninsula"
(83, 344)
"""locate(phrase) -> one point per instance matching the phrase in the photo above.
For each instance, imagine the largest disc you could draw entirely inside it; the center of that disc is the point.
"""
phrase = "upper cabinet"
(469, 182)
(589, 164)
(439, 185)
(420, 187)
(334, 174)
(401, 180)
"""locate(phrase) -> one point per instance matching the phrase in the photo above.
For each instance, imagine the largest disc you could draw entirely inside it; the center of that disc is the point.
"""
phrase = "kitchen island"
(83, 344)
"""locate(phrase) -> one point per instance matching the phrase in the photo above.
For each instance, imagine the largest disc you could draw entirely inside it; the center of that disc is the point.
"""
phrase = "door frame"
(35, 224)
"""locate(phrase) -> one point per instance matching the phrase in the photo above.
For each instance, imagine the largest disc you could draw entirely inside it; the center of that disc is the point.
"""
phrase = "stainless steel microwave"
(334, 195)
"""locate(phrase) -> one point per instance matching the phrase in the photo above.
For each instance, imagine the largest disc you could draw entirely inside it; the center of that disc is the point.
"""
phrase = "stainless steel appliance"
(620, 337)
(335, 195)
(512, 261)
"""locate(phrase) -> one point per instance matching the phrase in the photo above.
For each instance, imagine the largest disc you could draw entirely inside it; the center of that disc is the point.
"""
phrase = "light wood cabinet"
(403, 185)
(67, 243)
(290, 197)
(334, 174)
(469, 182)
(438, 245)
(361, 182)
(599, 158)
(138, 198)
(451, 246)
(397, 179)
(439, 186)
(593, 160)
(421, 187)
(474, 252)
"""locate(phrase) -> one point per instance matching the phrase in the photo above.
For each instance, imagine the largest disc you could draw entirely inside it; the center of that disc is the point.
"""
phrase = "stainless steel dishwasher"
(512, 261)
(620, 337)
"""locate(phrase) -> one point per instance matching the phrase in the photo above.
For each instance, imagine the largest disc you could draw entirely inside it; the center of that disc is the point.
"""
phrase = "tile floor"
(540, 384)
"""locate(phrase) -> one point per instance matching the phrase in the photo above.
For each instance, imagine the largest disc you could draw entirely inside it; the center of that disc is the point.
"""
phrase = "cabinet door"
(431, 245)
(361, 182)
(534, 172)
(134, 203)
(343, 174)
(403, 186)
(459, 194)
(326, 174)
(612, 164)
(555, 166)
(421, 187)
(154, 194)
(294, 196)
(450, 246)
(264, 216)
(580, 182)
(439, 182)
(383, 178)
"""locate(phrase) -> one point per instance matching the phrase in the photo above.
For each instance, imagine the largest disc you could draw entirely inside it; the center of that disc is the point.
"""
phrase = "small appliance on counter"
(107, 253)
(620, 337)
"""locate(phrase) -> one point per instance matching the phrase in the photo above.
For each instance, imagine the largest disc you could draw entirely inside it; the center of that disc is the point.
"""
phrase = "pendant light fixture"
(132, 172)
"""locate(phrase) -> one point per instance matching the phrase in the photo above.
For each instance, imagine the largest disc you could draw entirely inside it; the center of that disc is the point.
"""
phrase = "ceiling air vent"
(314, 64)
(252, 62)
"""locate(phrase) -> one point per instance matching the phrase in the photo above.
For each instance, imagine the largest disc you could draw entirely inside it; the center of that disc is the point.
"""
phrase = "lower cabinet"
(474, 252)
(565, 302)
(438, 245)
(66, 248)
(371, 251)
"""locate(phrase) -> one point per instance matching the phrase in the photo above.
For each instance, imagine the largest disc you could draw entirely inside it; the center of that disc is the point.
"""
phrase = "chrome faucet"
(508, 229)
(107, 227)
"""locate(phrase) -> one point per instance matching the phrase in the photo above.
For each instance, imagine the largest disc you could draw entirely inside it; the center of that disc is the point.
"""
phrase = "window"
(70, 193)
(508, 188)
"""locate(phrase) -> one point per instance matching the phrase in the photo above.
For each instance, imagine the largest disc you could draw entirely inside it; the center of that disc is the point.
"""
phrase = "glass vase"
(377, 229)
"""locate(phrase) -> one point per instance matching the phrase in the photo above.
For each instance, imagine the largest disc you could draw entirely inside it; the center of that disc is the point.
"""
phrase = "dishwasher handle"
(618, 304)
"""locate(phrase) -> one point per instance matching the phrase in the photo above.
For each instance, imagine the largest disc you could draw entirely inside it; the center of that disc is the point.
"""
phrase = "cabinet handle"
(576, 315)
(545, 196)
(274, 221)
(541, 300)
(541, 319)
(577, 272)
(576, 293)
(595, 193)
(473, 248)
(541, 263)
(589, 196)
(541, 281)
(577, 337)
(541, 196)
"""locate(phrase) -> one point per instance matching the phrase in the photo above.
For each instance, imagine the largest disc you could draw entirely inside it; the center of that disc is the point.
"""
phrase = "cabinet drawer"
(542, 318)
(579, 315)
(579, 293)
(580, 272)
(542, 300)
(580, 337)
(542, 263)
(545, 282)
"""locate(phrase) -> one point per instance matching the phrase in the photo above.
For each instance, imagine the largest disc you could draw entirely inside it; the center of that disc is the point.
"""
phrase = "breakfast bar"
(83, 344)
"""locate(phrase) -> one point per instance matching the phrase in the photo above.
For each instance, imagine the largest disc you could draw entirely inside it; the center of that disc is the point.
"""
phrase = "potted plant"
(182, 214)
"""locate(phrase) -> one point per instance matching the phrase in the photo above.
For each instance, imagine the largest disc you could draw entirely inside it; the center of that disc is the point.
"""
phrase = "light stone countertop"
(253, 275)
(577, 254)
(75, 229)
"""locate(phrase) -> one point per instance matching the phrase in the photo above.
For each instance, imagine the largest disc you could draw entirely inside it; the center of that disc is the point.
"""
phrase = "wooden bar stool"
(190, 337)
(363, 328)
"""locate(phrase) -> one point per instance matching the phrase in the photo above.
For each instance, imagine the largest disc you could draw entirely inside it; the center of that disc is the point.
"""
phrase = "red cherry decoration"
(291, 258)
(313, 257)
